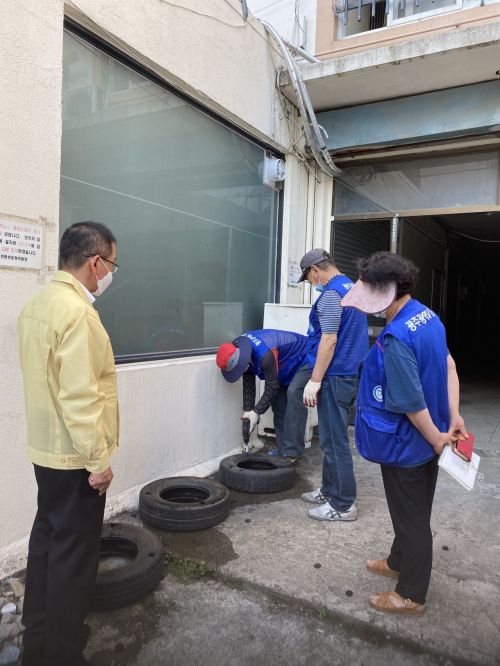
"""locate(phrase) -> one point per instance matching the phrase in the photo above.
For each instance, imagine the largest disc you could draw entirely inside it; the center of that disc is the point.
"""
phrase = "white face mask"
(381, 315)
(103, 283)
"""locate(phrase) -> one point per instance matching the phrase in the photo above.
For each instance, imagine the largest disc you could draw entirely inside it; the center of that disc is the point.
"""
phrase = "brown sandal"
(381, 568)
(392, 602)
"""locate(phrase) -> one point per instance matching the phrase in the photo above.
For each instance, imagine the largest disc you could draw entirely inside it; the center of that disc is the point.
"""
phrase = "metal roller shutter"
(354, 239)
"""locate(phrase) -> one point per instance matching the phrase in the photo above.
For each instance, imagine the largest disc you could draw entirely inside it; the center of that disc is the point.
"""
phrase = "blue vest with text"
(289, 350)
(352, 336)
(386, 437)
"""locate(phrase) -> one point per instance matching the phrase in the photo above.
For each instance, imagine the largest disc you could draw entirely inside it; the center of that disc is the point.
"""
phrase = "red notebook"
(464, 447)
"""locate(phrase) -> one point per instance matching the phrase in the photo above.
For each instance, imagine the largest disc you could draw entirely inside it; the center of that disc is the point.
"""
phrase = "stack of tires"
(131, 562)
(177, 504)
(140, 554)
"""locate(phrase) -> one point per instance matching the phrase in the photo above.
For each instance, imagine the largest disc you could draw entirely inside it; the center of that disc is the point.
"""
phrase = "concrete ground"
(205, 623)
(271, 586)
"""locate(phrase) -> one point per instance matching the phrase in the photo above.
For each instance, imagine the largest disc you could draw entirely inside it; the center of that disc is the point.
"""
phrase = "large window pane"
(183, 194)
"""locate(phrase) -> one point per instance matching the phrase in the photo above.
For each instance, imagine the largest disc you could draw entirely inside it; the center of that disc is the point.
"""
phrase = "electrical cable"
(289, 117)
(143, 61)
(262, 9)
(209, 16)
(311, 128)
(314, 134)
(297, 28)
(479, 240)
(251, 24)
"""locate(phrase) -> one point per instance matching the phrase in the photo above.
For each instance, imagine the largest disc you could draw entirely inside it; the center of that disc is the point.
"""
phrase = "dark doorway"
(473, 296)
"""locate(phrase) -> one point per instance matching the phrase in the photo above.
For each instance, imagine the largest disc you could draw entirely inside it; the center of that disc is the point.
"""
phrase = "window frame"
(73, 27)
(393, 20)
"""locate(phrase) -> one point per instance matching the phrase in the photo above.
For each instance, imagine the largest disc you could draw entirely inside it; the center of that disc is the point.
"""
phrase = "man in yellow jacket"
(72, 418)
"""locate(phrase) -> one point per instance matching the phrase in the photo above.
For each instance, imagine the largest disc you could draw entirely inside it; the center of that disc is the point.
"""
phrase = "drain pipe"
(394, 234)
(302, 52)
(313, 133)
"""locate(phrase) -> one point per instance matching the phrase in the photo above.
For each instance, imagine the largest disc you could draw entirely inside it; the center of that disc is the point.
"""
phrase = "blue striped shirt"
(330, 312)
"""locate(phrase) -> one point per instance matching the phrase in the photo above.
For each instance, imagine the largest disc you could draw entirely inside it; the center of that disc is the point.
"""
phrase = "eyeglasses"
(115, 266)
(318, 264)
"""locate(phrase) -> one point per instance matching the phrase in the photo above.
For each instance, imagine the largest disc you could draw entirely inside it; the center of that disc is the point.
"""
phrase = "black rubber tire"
(131, 582)
(184, 503)
(256, 473)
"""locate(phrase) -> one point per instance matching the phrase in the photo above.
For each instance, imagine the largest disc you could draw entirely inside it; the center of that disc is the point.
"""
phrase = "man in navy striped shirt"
(337, 344)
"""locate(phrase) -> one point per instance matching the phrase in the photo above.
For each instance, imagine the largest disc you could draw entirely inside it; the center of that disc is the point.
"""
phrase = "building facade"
(159, 118)
(156, 119)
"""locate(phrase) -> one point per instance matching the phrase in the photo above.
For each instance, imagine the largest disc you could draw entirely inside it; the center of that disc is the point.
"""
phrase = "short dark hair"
(84, 238)
(384, 267)
(326, 262)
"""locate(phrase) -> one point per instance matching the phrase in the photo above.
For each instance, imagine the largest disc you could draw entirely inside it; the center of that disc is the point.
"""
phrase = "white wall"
(30, 131)
(206, 49)
(295, 20)
(173, 414)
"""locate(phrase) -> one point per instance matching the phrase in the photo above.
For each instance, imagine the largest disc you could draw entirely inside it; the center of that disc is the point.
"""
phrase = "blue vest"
(352, 336)
(289, 349)
(386, 437)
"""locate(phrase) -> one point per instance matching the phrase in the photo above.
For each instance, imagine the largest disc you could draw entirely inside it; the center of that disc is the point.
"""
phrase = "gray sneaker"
(326, 512)
(314, 497)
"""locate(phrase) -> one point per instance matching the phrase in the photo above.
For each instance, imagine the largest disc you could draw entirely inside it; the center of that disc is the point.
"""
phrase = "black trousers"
(63, 556)
(409, 493)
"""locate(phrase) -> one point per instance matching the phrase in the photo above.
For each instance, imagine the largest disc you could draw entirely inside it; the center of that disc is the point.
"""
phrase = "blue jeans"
(290, 415)
(334, 400)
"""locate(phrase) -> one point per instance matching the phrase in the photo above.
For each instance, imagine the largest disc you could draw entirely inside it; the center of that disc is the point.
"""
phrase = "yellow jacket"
(69, 379)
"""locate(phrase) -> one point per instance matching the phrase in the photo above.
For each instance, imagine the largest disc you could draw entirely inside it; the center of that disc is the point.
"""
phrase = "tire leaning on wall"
(183, 503)
(256, 473)
(126, 584)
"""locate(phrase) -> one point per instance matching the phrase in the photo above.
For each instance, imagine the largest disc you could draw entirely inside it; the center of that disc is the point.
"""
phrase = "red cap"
(224, 354)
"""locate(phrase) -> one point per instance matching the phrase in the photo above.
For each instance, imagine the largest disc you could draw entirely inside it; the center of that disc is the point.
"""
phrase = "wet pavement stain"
(123, 632)
(210, 546)
(214, 547)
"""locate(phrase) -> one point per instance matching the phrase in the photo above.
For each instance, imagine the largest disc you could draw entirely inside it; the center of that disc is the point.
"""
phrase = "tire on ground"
(184, 503)
(256, 473)
(143, 569)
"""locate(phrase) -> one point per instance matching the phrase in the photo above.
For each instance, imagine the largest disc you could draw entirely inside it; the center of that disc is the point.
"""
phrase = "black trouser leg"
(62, 566)
(410, 492)
(36, 589)
(279, 410)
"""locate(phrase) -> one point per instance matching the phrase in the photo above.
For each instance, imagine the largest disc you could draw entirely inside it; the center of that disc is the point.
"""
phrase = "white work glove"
(255, 443)
(311, 393)
(253, 417)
